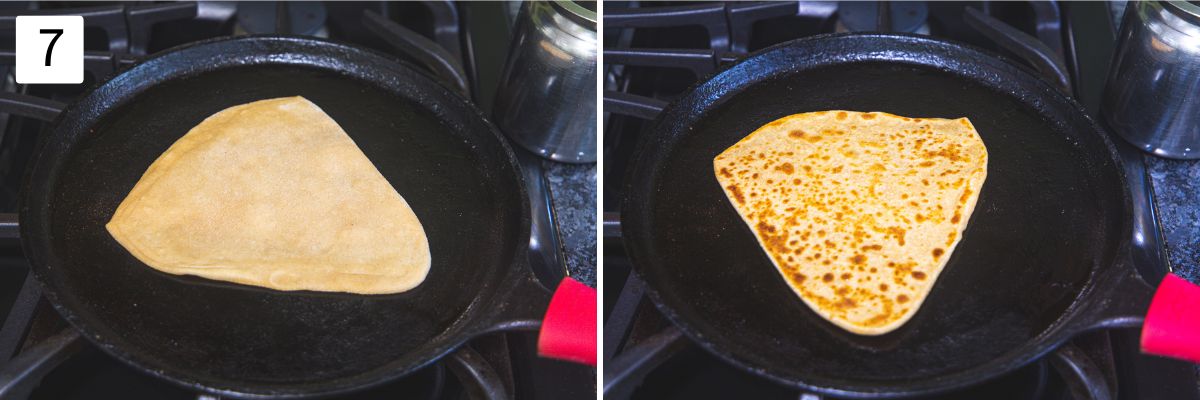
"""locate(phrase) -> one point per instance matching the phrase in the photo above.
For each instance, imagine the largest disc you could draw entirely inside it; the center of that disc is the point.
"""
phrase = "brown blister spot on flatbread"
(897, 233)
(737, 194)
(951, 152)
(900, 271)
(775, 239)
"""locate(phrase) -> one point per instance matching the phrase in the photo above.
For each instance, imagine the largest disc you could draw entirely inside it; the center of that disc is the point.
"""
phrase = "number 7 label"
(49, 49)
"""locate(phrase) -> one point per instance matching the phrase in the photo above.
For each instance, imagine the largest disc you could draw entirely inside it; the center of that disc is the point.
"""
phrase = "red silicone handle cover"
(569, 328)
(1172, 326)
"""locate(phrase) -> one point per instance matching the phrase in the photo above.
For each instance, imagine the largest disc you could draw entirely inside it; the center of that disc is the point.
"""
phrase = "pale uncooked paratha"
(273, 194)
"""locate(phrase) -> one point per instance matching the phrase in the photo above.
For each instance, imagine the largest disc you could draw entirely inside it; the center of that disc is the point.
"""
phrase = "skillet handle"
(569, 327)
(1120, 301)
(566, 321)
(522, 308)
(1172, 326)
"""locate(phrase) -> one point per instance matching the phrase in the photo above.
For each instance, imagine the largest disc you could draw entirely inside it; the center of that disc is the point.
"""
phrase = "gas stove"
(655, 51)
(42, 358)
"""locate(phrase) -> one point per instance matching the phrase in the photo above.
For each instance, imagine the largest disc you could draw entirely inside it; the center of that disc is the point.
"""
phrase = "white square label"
(49, 49)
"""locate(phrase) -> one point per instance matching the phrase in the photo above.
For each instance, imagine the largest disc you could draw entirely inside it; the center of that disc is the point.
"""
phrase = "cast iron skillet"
(435, 148)
(1044, 258)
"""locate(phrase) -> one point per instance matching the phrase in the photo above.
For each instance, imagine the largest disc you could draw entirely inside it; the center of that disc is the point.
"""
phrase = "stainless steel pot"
(1152, 98)
(546, 101)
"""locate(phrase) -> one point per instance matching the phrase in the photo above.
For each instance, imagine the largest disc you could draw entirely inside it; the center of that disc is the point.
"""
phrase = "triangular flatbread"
(858, 211)
(273, 194)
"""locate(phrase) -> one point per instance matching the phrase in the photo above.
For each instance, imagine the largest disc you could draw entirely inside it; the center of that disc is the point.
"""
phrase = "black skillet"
(433, 146)
(1044, 258)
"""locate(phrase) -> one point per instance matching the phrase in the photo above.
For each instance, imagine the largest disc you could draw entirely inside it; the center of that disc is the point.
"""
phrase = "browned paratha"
(858, 211)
